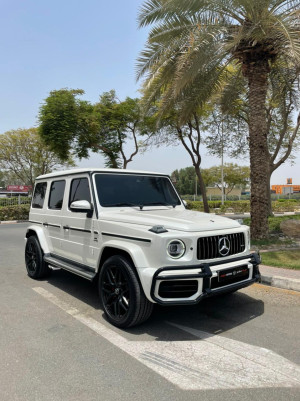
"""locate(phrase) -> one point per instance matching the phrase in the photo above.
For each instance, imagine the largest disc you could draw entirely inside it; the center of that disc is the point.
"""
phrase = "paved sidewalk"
(281, 278)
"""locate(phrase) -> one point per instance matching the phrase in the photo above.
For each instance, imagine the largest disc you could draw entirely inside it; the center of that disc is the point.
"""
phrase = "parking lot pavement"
(55, 343)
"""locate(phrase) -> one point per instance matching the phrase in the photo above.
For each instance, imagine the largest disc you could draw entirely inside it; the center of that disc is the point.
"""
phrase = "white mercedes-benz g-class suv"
(130, 231)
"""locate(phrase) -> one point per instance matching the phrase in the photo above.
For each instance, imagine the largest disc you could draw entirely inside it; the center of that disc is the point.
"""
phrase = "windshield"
(135, 190)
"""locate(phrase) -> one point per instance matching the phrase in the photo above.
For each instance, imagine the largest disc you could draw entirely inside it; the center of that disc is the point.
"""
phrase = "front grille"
(209, 247)
(178, 288)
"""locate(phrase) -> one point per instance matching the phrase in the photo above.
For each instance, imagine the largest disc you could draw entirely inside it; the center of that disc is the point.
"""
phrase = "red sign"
(19, 188)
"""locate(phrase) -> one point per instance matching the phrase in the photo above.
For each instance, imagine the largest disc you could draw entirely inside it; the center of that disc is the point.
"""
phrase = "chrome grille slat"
(208, 247)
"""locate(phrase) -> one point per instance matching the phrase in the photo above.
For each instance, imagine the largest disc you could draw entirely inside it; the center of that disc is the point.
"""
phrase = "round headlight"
(176, 248)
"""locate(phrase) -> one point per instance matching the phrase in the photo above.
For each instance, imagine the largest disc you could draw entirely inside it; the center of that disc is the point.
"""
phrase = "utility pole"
(222, 162)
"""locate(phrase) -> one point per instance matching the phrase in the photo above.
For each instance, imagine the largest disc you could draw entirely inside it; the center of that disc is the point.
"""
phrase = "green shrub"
(236, 206)
(286, 200)
(14, 213)
(243, 206)
(285, 205)
(274, 222)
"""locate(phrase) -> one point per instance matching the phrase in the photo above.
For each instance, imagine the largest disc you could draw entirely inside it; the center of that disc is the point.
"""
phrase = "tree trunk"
(259, 161)
(202, 189)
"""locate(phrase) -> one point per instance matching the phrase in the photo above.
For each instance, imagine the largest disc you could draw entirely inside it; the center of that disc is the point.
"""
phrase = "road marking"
(211, 363)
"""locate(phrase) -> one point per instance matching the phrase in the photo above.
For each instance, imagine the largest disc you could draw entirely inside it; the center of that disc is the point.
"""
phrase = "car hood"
(173, 219)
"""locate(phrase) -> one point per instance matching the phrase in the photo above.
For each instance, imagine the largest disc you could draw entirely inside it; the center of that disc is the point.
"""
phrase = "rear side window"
(80, 190)
(39, 195)
(56, 194)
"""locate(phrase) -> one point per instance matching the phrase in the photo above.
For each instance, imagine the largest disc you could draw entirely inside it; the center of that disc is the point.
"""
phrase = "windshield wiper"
(122, 204)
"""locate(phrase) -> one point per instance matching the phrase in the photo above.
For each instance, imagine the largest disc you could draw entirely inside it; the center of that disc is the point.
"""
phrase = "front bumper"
(206, 275)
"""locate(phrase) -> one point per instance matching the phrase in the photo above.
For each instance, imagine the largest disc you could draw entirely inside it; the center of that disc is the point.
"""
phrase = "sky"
(91, 45)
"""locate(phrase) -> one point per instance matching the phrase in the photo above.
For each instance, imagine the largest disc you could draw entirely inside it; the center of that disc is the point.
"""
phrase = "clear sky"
(91, 45)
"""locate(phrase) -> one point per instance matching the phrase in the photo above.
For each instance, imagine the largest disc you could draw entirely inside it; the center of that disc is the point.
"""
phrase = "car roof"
(96, 170)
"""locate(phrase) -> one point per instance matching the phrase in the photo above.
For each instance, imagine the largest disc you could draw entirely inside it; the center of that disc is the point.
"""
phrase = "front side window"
(135, 190)
(39, 195)
(56, 194)
(80, 190)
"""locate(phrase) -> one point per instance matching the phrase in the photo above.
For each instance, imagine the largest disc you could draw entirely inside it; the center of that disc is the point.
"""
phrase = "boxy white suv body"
(130, 230)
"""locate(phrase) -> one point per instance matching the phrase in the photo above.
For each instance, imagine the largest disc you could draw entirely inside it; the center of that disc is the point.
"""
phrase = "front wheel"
(122, 297)
(34, 259)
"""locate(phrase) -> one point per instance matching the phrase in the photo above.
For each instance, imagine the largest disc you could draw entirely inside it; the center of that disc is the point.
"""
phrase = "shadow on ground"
(214, 315)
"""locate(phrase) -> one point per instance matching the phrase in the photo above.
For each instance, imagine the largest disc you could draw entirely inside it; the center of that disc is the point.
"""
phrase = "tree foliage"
(235, 176)
(24, 156)
(185, 181)
(70, 125)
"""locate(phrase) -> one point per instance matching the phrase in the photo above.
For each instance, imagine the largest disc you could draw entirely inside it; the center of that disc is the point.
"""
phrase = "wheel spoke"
(123, 304)
(110, 277)
(115, 308)
(110, 299)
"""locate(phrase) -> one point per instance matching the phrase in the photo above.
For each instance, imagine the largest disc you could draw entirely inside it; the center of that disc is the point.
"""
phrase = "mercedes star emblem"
(224, 246)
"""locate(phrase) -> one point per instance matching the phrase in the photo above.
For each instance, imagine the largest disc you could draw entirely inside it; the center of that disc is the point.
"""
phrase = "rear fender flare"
(39, 233)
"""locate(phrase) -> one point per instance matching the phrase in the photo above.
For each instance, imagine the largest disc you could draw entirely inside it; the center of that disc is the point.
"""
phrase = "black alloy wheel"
(115, 289)
(31, 258)
(34, 259)
(122, 297)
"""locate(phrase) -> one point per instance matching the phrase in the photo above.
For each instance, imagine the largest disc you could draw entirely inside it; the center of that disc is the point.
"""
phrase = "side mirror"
(82, 206)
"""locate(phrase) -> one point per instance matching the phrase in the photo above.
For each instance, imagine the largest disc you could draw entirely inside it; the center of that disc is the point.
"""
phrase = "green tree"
(235, 176)
(70, 125)
(185, 181)
(189, 48)
(24, 156)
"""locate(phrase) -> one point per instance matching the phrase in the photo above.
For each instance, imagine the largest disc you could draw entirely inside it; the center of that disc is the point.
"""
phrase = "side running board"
(80, 271)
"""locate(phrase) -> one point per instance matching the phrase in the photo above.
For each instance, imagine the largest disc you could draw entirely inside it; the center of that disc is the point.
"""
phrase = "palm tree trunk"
(259, 162)
(202, 189)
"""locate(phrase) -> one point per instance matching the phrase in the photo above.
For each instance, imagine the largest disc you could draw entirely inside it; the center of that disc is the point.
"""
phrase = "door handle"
(66, 227)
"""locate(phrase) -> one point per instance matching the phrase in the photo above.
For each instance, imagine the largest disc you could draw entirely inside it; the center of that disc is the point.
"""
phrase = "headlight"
(176, 248)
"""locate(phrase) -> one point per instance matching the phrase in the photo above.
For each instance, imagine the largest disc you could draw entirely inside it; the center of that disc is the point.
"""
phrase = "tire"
(122, 297)
(34, 259)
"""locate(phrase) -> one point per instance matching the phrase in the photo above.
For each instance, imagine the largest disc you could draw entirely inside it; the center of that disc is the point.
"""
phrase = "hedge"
(288, 205)
(274, 222)
(14, 213)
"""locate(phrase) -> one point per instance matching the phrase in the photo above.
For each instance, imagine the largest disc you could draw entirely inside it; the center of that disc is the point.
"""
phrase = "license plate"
(231, 274)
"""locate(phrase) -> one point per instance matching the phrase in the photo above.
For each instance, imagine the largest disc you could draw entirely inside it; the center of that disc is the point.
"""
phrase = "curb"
(281, 282)
(13, 221)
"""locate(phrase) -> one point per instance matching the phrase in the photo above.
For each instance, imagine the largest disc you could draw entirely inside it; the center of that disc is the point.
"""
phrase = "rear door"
(53, 218)
(78, 228)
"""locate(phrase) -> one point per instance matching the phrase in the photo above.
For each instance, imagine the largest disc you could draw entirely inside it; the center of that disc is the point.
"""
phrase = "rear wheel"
(34, 259)
(122, 297)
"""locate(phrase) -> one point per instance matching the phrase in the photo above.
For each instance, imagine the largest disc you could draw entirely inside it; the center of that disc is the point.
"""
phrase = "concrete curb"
(13, 221)
(281, 282)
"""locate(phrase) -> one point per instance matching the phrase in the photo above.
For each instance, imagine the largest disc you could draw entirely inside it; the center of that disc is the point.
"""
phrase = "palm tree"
(190, 45)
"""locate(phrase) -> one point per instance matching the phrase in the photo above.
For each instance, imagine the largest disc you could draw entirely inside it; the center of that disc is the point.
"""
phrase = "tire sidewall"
(39, 255)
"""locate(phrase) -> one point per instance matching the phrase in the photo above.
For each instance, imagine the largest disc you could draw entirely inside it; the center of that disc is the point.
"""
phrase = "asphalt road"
(56, 345)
